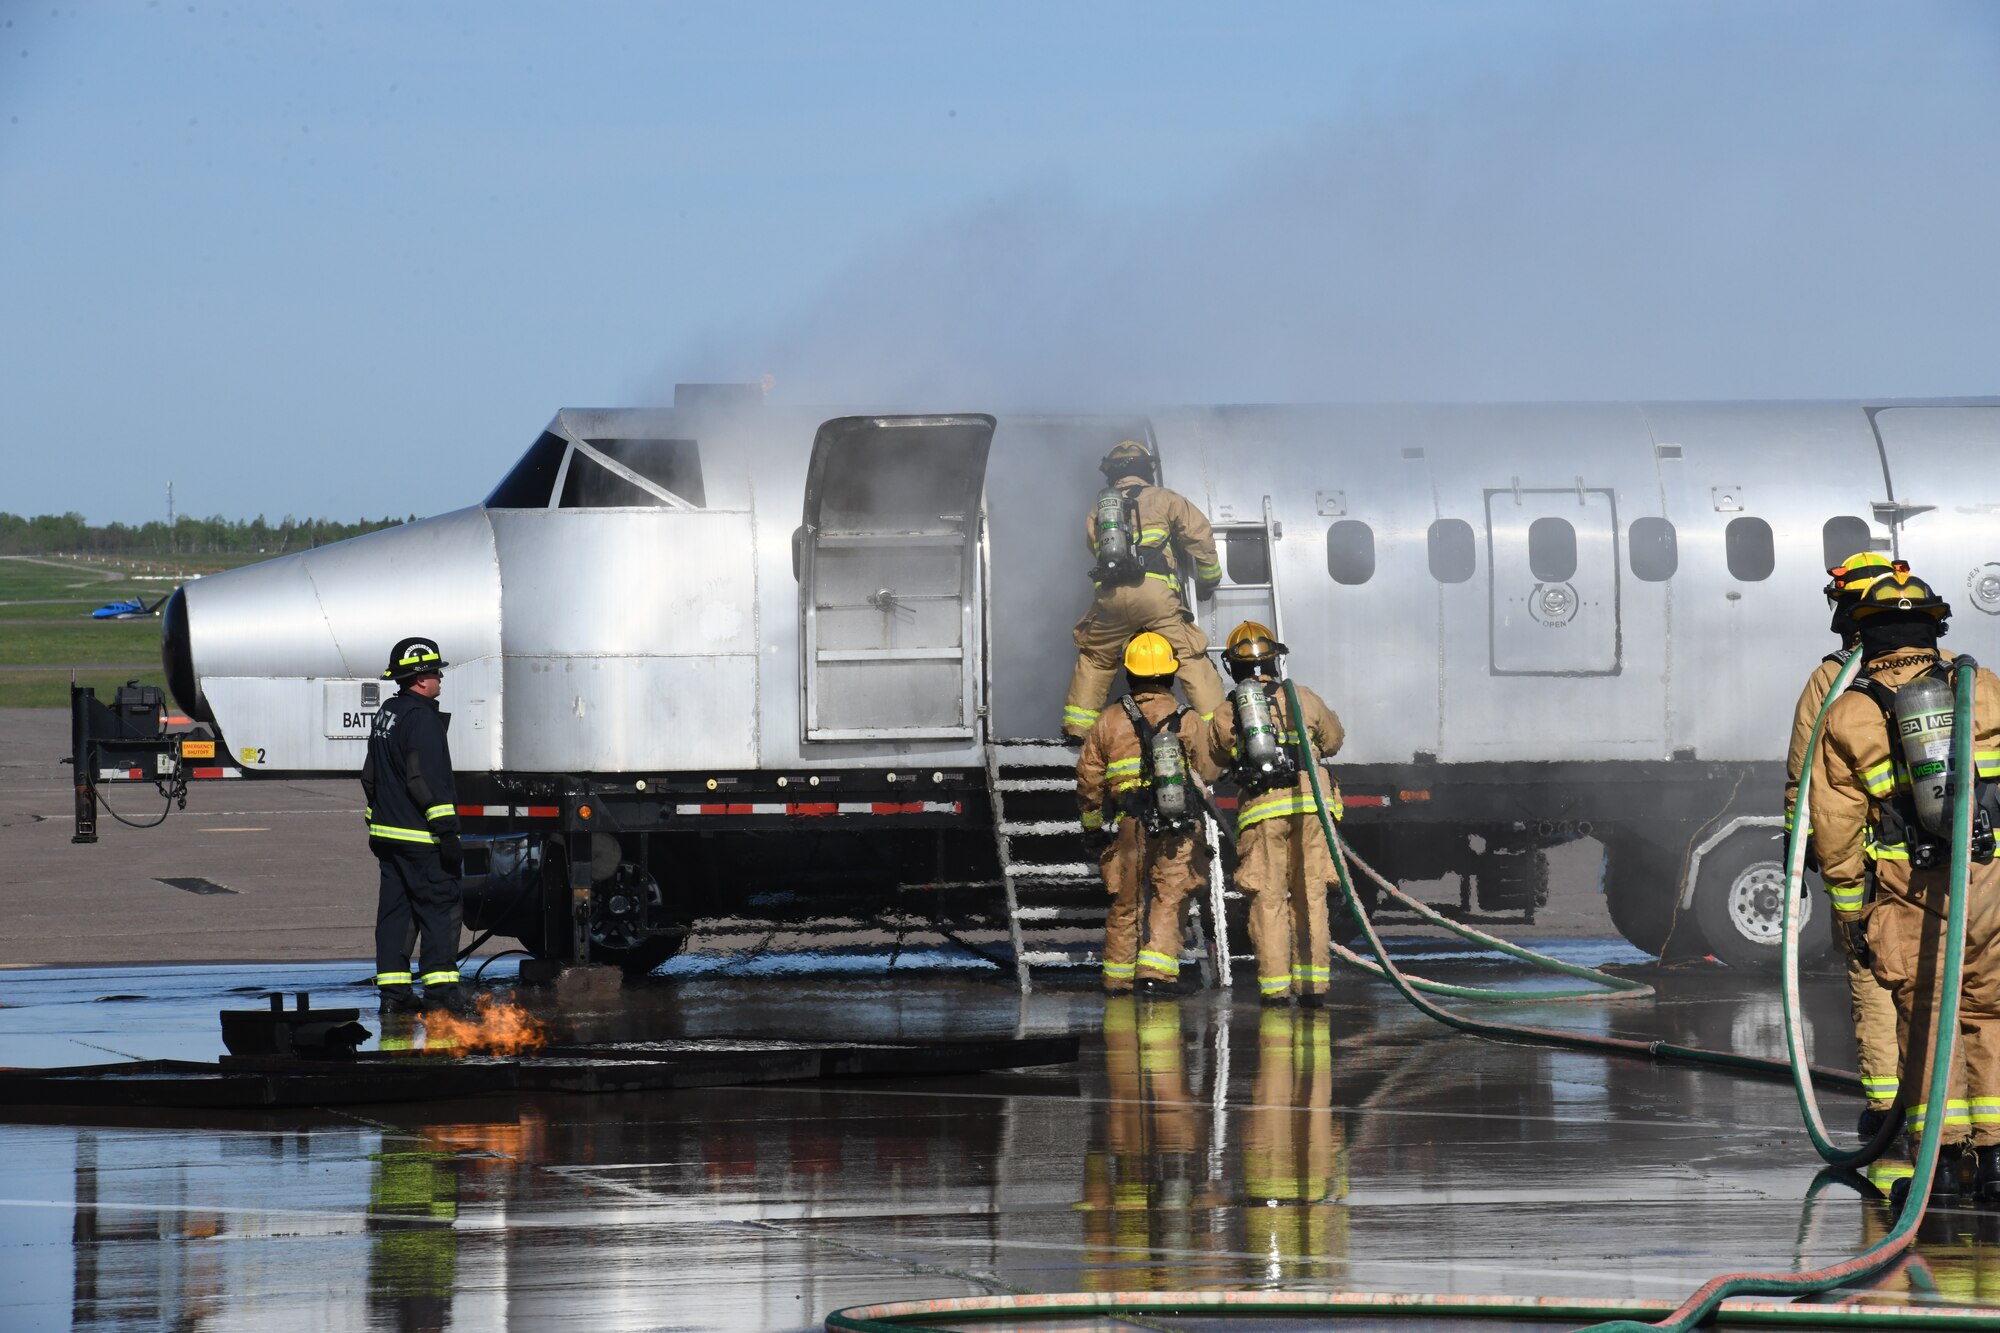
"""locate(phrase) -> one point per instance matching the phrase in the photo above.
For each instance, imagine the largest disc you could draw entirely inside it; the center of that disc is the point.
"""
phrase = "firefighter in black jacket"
(413, 830)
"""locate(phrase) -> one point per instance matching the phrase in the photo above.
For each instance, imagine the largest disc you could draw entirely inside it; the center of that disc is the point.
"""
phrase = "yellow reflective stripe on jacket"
(1153, 536)
(1079, 717)
(1208, 573)
(1987, 763)
(1880, 780)
(1986, 1110)
(1882, 1087)
(1847, 897)
(1272, 805)
(394, 834)
(440, 811)
(1093, 820)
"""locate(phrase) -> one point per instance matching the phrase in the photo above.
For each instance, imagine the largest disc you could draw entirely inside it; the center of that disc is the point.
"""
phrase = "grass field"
(46, 629)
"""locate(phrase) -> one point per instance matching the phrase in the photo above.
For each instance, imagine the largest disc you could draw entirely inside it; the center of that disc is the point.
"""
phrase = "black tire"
(1738, 899)
(642, 958)
(1642, 884)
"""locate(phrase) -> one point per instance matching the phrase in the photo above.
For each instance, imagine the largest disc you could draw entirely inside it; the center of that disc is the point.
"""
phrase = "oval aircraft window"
(1653, 548)
(1844, 535)
(1350, 552)
(1552, 550)
(1247, 557)
(1454, 554)
(1747, 543)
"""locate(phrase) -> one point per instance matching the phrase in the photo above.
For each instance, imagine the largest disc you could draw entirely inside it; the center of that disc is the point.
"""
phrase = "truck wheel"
(1642, 882)
(642, 958)
(1739, 901)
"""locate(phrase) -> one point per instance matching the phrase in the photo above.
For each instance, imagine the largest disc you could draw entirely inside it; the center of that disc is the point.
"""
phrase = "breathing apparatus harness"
(1917, 811)
(1261, 759)
(1163, 802)
(1123, 559)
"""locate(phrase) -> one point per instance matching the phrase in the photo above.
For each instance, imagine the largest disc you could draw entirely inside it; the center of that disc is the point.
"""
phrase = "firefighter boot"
(1986, 1174)
(1944, 1184)
(452, 998)
(398, 1000)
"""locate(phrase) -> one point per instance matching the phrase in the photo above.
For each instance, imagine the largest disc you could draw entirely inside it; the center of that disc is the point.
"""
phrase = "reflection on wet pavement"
(1200, 1143)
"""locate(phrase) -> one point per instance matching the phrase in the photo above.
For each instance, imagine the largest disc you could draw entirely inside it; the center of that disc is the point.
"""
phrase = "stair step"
(1039, 827)
(1059, 914)
(1037, 784)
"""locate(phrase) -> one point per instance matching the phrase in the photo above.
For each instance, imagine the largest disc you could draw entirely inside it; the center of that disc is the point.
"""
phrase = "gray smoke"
(1744, 202)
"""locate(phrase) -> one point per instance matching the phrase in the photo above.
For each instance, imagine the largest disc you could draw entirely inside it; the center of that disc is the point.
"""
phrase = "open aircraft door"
(890, 578)
(1931, 458)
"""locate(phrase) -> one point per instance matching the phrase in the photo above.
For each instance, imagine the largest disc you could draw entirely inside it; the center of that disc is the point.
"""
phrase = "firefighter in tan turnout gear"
(1154, 551)
(1137, 783)
(1282, 860)
(1884, 846)
(1874, 1011)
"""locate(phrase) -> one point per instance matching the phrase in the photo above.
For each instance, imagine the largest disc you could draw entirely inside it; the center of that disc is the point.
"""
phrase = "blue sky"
(346, 260)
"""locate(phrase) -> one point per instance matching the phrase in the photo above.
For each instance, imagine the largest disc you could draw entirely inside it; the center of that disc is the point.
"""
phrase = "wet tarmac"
(1198, 1143)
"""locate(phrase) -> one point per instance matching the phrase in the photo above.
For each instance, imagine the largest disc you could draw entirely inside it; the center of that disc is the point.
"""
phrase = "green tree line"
(65, 534)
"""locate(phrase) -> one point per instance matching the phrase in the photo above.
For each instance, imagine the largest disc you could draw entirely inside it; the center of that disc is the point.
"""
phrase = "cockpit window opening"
(529, 482)
(673, 465)
(633, 474)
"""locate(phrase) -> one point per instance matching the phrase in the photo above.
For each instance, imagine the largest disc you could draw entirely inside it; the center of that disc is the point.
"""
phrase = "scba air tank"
(1264, 756)
(1924, 711)
(1115, 538)
(1171, 805)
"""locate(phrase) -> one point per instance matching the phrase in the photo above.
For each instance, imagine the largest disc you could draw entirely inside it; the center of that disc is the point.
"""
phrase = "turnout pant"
(1283, 865)
(1172, 867)
(1874, 1010)
(1101, 636)
(417, 896)
(1906, 935)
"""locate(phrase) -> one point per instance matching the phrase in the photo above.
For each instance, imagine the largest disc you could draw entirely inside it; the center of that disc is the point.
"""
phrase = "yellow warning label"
(249, 754)
(197, 749)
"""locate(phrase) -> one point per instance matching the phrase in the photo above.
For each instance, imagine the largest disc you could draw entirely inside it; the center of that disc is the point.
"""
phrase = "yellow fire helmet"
(1899, 590)
(1128, 458)
(1253, 644)
(1150, 655)
(1851, 577)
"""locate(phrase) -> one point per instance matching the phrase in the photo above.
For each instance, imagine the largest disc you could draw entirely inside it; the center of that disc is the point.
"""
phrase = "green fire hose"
(1619, 1316)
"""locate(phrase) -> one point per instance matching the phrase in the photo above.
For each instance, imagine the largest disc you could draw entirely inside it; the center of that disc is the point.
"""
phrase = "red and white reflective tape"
(141, 775)
(507, 811)
(216, 772)
(816, 809)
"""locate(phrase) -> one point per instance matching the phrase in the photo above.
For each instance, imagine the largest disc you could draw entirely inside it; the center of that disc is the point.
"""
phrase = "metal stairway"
(1055, 898)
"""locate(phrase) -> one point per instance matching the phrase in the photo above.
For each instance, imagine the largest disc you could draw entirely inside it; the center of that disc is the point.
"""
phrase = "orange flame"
(497, 1029)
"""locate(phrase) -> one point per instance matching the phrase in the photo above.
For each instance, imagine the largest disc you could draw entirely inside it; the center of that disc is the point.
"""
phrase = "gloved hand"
(1812, 861)
(1857, 941)
(451, 853)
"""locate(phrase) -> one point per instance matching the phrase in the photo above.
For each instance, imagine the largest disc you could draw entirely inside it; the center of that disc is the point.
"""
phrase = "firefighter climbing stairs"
(1055, 899)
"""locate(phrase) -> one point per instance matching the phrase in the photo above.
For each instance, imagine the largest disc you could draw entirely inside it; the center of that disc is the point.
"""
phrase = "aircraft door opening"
(889, 578)
(1552, 566)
